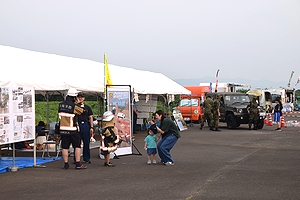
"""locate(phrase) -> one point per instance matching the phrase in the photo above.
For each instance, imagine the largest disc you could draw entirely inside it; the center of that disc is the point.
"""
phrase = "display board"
(179, 120)
(17, 114)
(119, 102)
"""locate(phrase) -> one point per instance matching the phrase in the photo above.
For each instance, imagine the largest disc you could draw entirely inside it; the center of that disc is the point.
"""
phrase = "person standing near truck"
(208, 115)
(253, 114)
(216, 113)
(278, 113)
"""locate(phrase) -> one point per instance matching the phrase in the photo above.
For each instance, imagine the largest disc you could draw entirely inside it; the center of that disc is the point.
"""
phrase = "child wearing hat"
(150, 144)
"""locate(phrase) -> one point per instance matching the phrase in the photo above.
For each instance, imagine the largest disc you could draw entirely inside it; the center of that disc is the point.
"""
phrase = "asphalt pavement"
(231, 164)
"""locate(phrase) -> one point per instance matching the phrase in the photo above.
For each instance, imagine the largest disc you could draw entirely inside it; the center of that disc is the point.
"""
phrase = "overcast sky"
(253, 39)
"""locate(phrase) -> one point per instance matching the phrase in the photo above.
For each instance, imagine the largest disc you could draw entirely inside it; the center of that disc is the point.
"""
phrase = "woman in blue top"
(170, 134)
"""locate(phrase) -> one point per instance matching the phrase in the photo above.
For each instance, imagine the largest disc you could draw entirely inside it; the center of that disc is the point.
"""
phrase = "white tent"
(145, 82)
(50, 72)
(46, 72)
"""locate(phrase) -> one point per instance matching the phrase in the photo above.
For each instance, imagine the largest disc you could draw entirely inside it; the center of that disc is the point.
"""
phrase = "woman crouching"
(169, 134)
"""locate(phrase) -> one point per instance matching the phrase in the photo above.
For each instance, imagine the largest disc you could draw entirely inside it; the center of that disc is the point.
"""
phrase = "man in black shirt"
(86, 129)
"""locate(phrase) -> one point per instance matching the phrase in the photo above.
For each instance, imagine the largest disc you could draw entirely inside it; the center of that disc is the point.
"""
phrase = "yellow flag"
(108, 80)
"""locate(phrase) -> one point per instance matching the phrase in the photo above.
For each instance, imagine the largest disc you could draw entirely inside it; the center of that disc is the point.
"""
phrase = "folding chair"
(52, 139)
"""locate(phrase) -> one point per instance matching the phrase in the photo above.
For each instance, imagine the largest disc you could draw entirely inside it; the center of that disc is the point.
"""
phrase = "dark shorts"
(73, 138)
(151, 151)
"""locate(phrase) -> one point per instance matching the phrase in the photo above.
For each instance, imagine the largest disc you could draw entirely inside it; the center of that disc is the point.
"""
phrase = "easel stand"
(139, 153)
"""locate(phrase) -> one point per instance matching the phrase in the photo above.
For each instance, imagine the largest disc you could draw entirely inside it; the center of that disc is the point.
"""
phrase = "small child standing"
(150, 144)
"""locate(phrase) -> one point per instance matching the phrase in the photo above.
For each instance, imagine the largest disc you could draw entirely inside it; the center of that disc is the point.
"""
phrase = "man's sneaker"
(217, 129)
(149, 162)
(87, 162)
(278, 129)
(161, 163)
(80, 167)
(109, 164)
(66, 166)
(169, 164)
(153, 161)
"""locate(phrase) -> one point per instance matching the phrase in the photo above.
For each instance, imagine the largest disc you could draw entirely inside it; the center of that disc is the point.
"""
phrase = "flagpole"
(217, 81)
(104, 102)
(107, 81)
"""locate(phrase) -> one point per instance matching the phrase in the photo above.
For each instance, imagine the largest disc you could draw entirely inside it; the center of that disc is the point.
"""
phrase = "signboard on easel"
(17, 114)
(179, 120)
(119, 102)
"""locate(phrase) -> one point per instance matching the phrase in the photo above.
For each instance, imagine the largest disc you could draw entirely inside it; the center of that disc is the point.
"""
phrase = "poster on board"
(119, 101)
(179, 120)
(16, 114)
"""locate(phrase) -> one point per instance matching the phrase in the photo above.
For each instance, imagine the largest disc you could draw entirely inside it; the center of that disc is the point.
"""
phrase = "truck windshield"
(275, 96)
(235, 99)
(188, 102)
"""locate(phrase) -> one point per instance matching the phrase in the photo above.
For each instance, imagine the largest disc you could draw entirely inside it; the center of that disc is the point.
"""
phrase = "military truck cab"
(233, 109)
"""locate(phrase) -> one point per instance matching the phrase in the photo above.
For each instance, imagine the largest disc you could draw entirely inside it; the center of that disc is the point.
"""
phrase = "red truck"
(190, 105)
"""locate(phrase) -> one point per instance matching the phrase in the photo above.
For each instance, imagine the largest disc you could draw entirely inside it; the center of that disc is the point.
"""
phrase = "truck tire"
(231, 121)
(260, 124)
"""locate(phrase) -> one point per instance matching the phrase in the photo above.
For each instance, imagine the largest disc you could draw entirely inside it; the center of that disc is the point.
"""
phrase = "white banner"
(17, 114)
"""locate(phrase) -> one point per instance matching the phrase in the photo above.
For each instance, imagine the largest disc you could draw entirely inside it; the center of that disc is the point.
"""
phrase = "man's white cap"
(72, 92)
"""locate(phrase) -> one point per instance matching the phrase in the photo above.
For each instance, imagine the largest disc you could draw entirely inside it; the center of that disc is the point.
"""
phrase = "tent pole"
(47, 107)
(167, 97)
(98, 104)
(13, 168)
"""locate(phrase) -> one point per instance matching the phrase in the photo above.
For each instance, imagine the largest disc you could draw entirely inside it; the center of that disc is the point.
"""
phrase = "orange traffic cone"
(282, 122)
(270, 122)
(266, 120)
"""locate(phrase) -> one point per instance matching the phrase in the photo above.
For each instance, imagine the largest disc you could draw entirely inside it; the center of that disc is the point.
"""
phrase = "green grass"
(96, 106)
(41, 110)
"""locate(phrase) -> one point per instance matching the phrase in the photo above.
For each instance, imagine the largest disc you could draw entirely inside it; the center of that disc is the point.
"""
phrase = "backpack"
(112, 134)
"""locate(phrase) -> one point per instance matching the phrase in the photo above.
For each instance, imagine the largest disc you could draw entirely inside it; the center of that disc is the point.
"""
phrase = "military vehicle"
(233, 109)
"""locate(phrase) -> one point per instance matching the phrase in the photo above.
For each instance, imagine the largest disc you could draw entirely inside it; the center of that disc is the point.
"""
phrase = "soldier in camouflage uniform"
(216, 113)
(253, 113)
(208, 116)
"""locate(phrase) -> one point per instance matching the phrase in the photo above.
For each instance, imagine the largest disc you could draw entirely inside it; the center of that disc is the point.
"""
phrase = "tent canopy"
(46, 72)
(50, 72)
